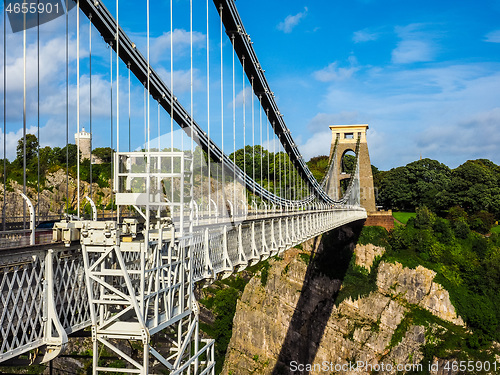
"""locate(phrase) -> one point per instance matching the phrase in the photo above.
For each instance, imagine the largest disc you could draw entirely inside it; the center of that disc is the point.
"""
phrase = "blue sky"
(424, 75)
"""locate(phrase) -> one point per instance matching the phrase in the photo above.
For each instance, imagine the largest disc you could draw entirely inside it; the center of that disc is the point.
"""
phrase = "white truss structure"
(139, 276)
(43, 299)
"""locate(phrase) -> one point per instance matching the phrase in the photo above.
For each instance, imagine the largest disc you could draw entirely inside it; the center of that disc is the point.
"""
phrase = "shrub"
(481, 222)
(425, 218)
(461, 228)
(264, 273)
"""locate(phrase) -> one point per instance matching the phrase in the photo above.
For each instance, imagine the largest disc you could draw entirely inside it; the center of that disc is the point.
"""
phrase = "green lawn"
(495, 229)
(403, 216)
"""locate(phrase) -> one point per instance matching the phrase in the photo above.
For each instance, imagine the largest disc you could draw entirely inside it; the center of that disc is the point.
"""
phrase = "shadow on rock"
(325, 272)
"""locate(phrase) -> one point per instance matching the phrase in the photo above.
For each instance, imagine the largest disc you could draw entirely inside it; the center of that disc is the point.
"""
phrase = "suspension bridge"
(187, 208)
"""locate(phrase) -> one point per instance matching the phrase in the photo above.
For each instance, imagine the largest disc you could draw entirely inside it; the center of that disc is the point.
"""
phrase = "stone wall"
(382, 219)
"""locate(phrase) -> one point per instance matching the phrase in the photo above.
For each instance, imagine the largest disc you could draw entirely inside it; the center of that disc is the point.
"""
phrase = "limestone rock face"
(366, 254)
(52, 198)
(293, 319)
(418, 288)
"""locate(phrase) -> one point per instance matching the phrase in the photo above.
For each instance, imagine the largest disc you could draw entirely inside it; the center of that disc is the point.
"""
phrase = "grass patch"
(377, 236)
(407, 258)
(358, 282)
(443, 339)
(305, 257)
(495, 229)
(403, 217)
(237, 282)
(264, 273)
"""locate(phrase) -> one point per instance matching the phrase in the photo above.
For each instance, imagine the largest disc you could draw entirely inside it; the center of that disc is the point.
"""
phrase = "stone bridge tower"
(346, 137)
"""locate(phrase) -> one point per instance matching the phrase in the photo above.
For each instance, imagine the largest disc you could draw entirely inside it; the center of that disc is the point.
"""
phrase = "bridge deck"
(218, 249)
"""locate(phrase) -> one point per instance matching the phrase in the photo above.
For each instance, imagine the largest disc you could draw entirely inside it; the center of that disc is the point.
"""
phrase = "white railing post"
(55, 344)
(32, 218)
(94, 209)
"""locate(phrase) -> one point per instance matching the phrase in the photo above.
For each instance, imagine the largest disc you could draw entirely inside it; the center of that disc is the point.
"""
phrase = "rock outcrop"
(52, 198)
(417, 287)
(292, 320)
(366, 254)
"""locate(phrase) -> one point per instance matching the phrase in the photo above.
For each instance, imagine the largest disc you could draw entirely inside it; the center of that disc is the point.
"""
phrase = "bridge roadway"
(43, 296)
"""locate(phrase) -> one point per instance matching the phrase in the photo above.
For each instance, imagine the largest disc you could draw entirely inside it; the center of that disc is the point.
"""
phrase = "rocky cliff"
(52, 198)
(296, 318)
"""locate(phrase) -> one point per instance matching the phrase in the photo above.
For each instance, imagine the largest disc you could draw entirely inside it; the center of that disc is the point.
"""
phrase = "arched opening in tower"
(347, 168)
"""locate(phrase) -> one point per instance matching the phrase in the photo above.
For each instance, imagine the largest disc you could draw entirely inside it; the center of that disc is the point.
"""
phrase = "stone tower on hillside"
(346, 138)
(85, 140)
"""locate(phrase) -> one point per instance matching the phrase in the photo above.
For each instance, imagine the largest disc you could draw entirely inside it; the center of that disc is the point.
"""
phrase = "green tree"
(420, 183)
(17, 171)
(31, 148)
(7, 167)
(429, 179)
(474, 186)
(425, 218)
(378, 176)
(482, 221)
(72, 151)
(466, 263)
(348, 163)
(58, 155)
(318, 166)
(255, 160)
(442, 230)
(395, 191)
(224, 308)
(457, 213)
(104, 153)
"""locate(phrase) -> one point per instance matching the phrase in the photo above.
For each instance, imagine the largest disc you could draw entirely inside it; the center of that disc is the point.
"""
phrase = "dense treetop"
(473, 186)
(43, 160)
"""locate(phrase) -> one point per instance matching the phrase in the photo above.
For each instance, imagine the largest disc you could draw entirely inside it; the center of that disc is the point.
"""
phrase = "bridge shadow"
(330, 257)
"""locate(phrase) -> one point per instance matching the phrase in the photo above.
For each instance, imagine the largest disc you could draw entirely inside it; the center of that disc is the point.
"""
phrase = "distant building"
(84, 139)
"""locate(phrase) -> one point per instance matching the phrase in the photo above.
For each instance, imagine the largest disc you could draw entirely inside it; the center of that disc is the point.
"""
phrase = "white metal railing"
(42, 299)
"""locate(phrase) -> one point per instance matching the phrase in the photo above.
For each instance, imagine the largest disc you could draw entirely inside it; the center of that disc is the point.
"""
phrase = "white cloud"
(415, 45)
(322, 121)
(12, 139)
(335, 73)
(52, 62)
(239, 98)
(446, 113)
(475, 136)
(52, 108)
(53, 83)
(291, 21)
(410, 51)
(52, 133)
(181, 40)
(364, 36)
(318, 144)
(182, 79)
(493, 37)
(273, 145)
(160, 45)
